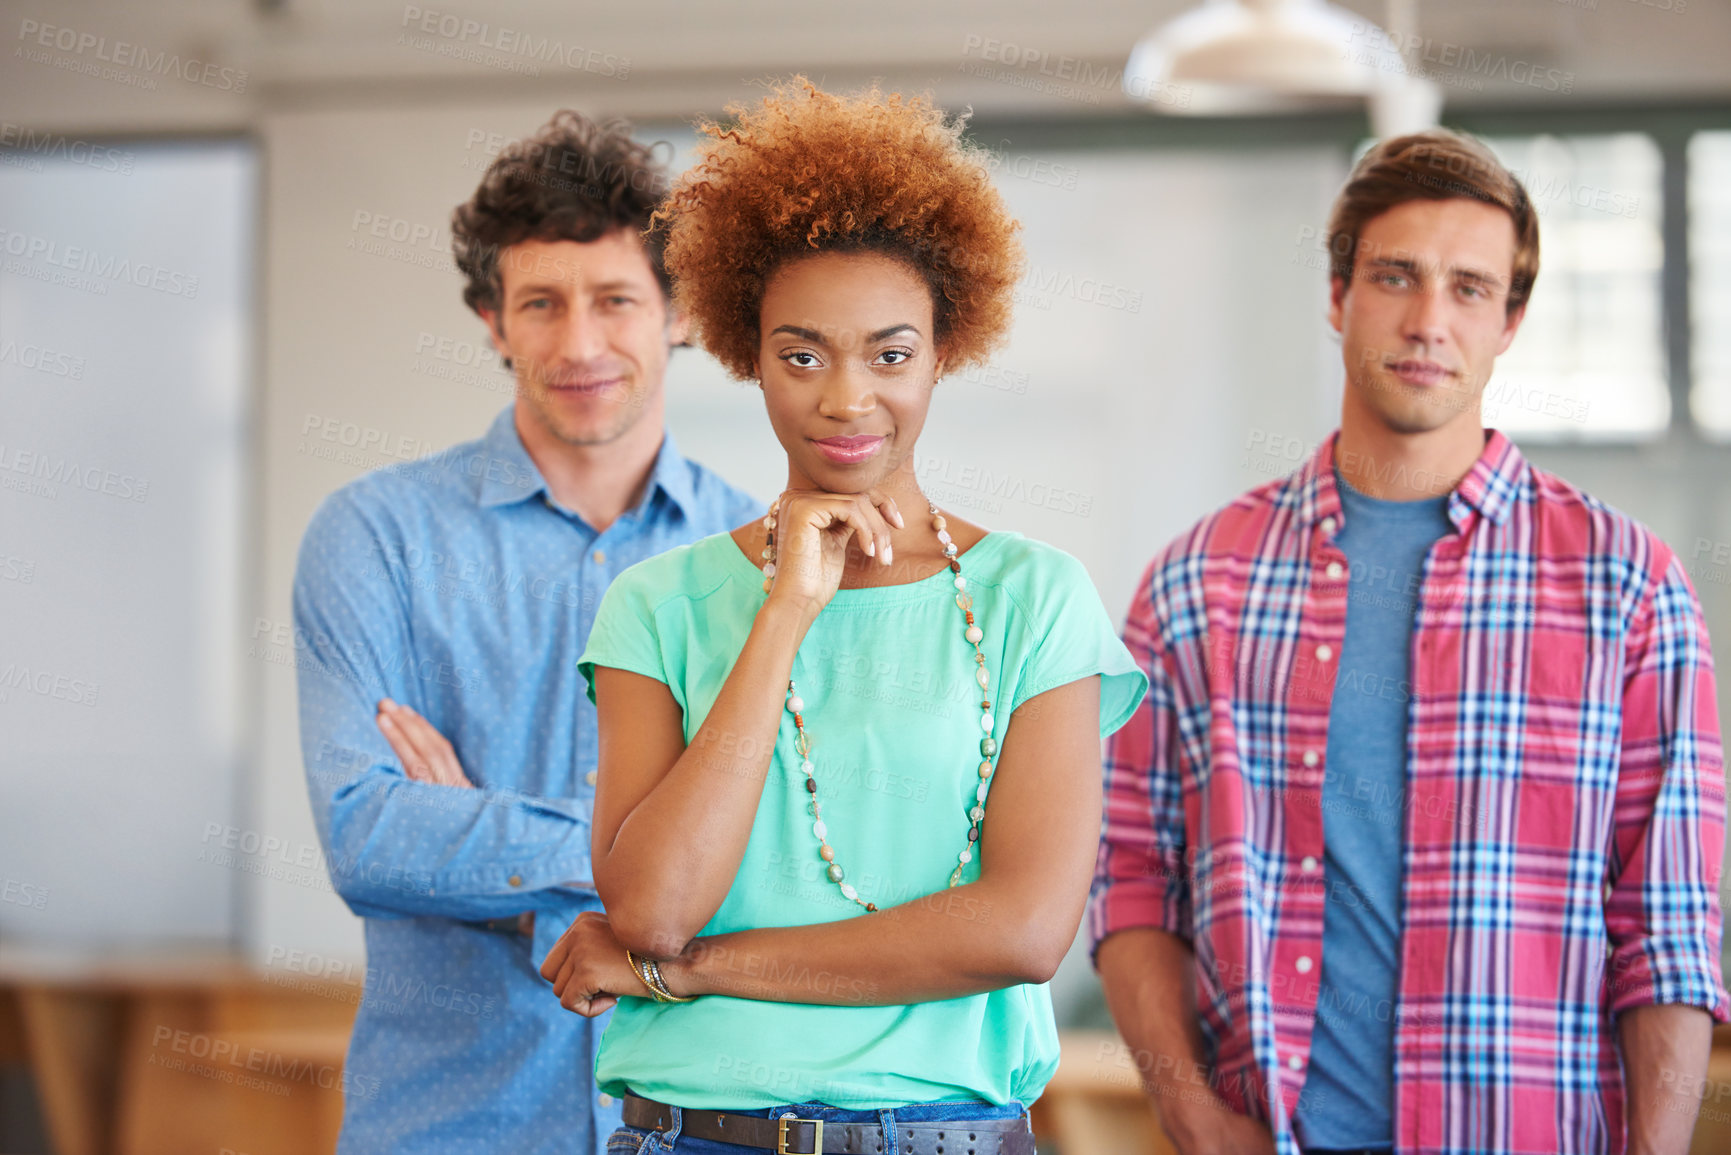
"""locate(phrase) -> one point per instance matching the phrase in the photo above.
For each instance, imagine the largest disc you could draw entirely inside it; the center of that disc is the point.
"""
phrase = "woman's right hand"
(813, 529)
(589, 968)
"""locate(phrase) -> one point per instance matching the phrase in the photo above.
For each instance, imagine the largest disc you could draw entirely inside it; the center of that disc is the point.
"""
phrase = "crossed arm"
(398, 846)
(672, 823)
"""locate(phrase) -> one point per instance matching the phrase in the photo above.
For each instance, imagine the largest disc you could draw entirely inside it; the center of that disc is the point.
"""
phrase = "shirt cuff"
(1154, 903)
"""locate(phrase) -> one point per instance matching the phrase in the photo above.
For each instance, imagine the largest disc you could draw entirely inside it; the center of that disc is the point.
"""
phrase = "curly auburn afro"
(807, 172)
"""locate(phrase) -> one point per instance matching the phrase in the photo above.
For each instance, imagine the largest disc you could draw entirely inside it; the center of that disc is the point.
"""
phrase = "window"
(1709, 161)
(1589, 363)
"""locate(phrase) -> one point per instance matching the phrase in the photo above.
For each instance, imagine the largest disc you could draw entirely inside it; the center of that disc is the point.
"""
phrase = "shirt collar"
(509, 474)
(672, 475)
(507, 471)
(1497, 481)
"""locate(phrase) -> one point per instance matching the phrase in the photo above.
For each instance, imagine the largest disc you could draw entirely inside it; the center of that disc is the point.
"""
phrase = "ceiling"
(672, 57)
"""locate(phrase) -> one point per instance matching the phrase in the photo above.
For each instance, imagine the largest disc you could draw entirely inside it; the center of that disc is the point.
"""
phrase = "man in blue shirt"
(449, 598)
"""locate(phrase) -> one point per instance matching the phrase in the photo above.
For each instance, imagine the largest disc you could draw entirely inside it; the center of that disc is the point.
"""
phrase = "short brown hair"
(1435, 165)
(574, 180)
(805, 172)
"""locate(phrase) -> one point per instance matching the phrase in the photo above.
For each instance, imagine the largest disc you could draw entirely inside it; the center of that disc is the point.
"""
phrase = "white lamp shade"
(1405, 104)
(1251, 56)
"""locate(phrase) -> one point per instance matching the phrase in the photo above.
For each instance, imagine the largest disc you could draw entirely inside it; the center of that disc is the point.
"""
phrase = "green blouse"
(893, 711)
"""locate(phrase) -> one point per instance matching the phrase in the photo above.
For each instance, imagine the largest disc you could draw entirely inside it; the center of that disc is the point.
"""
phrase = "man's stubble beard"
(632, 410)
(1406, 410)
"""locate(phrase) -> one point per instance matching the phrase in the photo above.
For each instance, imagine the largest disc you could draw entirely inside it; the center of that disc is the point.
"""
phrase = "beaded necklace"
(988, 744)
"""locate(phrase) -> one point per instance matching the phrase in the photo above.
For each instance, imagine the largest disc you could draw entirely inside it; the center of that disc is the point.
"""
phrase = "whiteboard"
(126, 308)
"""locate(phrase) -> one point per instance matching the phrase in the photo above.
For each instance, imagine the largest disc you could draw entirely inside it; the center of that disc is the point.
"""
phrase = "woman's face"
(847, 362)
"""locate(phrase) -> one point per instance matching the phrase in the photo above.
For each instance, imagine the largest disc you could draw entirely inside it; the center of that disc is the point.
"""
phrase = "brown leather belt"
(790, 1136)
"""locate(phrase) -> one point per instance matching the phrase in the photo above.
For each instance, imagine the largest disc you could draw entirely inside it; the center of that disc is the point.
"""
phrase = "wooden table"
(161, 1053)
(164, 1052)
(1095, 1104)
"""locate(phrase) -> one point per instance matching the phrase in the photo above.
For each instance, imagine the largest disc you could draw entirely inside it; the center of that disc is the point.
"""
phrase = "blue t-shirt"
(1348, 1098)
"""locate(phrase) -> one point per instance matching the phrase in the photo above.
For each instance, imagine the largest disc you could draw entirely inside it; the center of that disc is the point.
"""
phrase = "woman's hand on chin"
(588, 967)
(813, 529)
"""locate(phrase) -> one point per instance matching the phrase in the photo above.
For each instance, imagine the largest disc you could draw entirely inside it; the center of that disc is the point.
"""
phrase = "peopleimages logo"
(26, 144)
(458, 30)
(17, 676)
(1446, 62)
(42, 359)
(54, 471)
(1059, 74)
(90, 51)
(102, 266)
(229, 1061)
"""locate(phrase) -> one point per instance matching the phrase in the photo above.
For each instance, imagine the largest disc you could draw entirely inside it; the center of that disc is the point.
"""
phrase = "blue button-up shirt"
(457, 585)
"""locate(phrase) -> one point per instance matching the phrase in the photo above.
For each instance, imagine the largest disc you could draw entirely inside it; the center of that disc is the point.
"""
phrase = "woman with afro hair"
(849, 790)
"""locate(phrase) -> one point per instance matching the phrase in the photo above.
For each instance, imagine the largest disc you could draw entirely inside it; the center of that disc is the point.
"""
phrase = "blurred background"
(226, 289)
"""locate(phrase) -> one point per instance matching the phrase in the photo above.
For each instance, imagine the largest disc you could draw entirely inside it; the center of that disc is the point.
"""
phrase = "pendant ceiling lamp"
(1246, 57)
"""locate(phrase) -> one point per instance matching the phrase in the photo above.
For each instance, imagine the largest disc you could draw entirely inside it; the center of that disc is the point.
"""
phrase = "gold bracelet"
(648, 971)
(661, 984)
(642, 973)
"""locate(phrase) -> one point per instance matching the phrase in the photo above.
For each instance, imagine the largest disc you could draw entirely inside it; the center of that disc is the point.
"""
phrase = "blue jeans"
(636, 1141)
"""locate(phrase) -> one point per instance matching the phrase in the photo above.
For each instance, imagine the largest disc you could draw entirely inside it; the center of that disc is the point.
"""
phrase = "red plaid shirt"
(1563, 815)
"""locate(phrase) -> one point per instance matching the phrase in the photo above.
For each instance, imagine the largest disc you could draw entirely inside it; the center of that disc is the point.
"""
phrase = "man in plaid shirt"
(1414, 844)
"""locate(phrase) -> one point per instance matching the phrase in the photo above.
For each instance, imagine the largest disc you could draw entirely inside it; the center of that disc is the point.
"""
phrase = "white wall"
(1168, 310)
